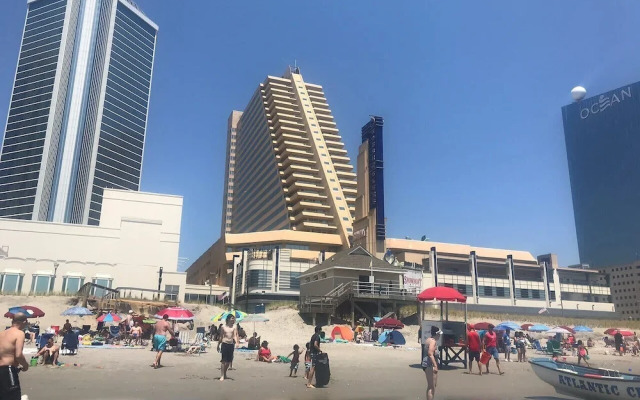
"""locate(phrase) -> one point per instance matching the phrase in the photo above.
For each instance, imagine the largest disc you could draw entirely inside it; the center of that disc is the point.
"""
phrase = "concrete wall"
(138, 234)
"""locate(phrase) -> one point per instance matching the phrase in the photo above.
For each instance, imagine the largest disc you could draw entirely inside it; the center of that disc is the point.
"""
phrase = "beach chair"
(538, 347)
(553, 348)
(199, 344)
(184, 339)
(114, 333)
(43, 340)
(85, 329)
(69, 343)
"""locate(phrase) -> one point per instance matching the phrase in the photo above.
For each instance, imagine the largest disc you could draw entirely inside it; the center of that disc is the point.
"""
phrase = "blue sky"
(470, 91)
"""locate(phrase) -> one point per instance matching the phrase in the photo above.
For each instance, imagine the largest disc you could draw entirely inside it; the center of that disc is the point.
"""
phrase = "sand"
(358, 371)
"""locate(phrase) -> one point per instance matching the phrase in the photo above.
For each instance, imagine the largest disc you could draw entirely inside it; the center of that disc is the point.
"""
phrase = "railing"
(342, 292)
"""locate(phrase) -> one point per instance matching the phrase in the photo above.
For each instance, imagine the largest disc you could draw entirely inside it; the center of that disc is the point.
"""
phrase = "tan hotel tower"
(287, 164)
(289, 196)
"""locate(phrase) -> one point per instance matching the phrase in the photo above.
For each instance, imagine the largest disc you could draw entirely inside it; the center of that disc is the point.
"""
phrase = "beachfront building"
(265, 266)
(78, 113)
(289, 195)
(134, 249)
(495, 278)
(291, 169)
(602, 134)
(625, 289)
(369, 224)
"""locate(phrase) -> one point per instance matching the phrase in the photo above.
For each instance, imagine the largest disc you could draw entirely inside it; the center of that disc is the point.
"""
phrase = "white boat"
(586, 383)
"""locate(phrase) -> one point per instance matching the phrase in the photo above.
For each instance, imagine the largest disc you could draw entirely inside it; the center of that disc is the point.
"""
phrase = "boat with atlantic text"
(586, 383)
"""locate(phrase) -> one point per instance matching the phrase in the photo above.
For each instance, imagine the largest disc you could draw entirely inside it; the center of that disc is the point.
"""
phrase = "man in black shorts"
(11, 357)
(473, 345)
(314, 349)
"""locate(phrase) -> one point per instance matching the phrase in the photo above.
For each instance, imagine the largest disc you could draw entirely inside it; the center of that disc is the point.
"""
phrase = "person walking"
(228, 335)
(506, 343)
(583, 353)
(490, 346)
(618, 339)
(431, 360)
(11, 358)
(160, 339)
(474, 347)
(314, 350)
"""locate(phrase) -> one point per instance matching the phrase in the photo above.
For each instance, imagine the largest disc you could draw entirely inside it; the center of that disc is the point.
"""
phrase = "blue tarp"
(395, 335)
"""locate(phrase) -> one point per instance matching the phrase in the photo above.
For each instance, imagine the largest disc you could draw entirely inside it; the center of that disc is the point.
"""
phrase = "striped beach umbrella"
(223, 316)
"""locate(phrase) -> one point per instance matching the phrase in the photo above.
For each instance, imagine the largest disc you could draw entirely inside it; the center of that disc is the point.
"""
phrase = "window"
(172, 292)
(11, 283)
(40, 284)
(98, 292)
(71, 284)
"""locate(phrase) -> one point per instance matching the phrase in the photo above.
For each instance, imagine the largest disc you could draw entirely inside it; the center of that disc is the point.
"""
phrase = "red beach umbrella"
(32, 312)
(567, 328)
(482, 326)
(525, 327)
(612, 331)
(110, 317)
(442, 293)
(175, 313)
(389, 323)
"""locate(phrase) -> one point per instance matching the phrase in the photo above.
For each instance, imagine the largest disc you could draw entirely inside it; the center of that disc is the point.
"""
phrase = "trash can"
(259, 309)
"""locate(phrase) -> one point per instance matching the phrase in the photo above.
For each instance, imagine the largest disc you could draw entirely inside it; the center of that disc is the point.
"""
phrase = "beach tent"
(388, 336)
(342, 332)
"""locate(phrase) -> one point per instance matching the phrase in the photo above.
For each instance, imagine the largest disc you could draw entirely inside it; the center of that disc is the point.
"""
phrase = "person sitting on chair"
(136, 333)
(66, 327)
(254, 342)
(49, 353)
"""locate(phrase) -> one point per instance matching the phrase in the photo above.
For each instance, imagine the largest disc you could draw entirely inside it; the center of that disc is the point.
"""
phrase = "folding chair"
(198, 344)
(183, 340)
(69, 343)
(114, 333)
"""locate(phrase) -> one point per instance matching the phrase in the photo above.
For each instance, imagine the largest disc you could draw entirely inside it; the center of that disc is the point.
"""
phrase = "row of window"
(42, 284)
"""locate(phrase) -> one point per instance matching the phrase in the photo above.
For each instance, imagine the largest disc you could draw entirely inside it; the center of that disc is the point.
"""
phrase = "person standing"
(160, 338)
(490, 346)
(11, 358)
(473, 344)
(314, 350)
(506, 343)
(228, 338)
(618, 339)
(431, 360)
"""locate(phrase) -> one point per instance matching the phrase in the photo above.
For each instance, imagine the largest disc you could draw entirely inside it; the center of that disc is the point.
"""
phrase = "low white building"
(139, 233)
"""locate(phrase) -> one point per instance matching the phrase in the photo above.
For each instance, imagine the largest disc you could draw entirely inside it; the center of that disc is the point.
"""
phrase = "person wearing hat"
(431, 360)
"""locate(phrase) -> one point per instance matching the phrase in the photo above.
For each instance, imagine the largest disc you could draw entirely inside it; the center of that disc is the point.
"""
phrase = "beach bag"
(485, 357)
(323, 373)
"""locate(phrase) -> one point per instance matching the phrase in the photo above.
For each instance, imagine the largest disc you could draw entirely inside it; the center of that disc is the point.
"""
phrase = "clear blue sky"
(470, 91)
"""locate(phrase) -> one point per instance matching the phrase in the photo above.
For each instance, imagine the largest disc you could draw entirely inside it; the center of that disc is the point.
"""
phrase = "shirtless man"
(136, 333)
(228, 340)
(11, 357)
(160, 338)
(49, 351)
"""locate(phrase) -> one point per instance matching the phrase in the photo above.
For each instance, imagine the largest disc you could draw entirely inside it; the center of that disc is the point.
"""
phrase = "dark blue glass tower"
(602, 135)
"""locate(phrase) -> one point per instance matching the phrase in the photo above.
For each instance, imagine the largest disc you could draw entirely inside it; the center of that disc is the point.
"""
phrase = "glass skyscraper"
(78, 112)
(602, 135)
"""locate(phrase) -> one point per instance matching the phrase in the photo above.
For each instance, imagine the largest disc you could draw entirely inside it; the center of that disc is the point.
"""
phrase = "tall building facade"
(369, 224)
(602, 135)
(230, 168)
(78, 113)
(291, 168)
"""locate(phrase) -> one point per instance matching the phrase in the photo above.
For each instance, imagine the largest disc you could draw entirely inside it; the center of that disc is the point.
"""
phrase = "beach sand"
(358, 371)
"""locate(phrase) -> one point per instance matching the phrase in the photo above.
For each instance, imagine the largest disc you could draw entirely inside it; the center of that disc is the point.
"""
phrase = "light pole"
(55, 274)
(211, 274)
(159, 281)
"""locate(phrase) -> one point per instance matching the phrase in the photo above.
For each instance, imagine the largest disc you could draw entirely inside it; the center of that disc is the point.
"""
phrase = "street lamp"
(55, 274)
(211, 274)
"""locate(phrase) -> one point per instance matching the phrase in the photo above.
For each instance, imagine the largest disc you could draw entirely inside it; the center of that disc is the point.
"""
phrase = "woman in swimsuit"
(430, 361)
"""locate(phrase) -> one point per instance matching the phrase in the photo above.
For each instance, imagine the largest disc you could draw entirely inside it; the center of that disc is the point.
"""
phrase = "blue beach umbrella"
(582, 328)
(78, 311)
(538, 328)
(16, 310)
(503, 326)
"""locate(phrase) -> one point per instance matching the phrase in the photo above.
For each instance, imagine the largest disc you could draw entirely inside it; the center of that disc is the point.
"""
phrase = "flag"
(543, 310)
(222, 296)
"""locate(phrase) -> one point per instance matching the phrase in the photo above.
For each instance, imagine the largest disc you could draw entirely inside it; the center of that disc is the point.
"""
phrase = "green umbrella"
(149, 321)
